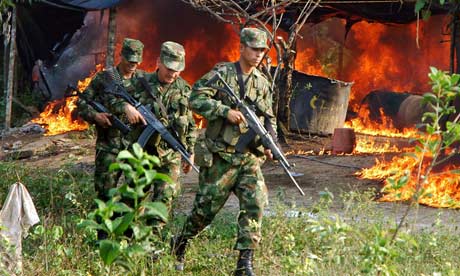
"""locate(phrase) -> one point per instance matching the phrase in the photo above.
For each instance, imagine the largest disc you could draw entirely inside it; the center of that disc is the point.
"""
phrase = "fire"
(199, 120)
(440, 188)
(378, 56)
(364, 125)
(58, 115)
(371, 145)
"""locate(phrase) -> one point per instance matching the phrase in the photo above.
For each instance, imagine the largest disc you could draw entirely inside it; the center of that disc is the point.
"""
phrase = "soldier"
(109, 140)
(222, 170)
(168, 98)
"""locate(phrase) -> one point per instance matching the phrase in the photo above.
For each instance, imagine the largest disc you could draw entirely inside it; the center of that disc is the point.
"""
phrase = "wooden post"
(10, 76)
(112, 29)
(456, 42)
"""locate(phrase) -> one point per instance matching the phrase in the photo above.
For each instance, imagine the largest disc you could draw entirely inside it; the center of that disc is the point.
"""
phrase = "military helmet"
(172, 56)
(254, 38)
(132, 50)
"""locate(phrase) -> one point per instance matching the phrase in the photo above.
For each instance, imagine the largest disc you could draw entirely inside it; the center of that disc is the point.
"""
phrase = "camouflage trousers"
(237, 173)
(103, 179)
(165, 192)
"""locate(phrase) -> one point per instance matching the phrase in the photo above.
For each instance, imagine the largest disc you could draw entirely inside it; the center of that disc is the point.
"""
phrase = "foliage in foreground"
(317, 240)
(124, 223)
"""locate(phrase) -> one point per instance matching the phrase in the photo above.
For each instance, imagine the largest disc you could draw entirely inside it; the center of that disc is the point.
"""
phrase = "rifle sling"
(246, 138)
(154, 96)
(241, 84)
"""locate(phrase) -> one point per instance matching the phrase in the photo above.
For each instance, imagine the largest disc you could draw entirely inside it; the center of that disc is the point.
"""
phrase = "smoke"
(206, 40)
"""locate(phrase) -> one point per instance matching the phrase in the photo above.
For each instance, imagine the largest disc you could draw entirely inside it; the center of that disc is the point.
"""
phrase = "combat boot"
(178, 247)
(244, 265)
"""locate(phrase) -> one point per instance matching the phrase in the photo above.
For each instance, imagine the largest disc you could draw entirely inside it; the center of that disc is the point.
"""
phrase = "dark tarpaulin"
(38, 35)
(386, 12)
(83, 4)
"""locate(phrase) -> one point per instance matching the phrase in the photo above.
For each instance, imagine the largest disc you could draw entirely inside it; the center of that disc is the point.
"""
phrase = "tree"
(267, 15)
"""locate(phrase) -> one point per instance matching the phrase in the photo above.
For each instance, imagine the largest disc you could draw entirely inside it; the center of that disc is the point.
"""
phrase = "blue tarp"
(83, 4)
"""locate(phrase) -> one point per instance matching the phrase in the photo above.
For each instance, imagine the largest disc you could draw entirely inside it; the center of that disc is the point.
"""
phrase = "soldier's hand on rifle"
(235, 117)
(186, 167)
(268, 154)
(103, 119)
(133, 115)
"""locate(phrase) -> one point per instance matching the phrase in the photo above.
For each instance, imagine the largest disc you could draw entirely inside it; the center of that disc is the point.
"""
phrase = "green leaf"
(136, 250)
(150, 175)
(114, 167)
(121, 207)
(138, 151)
(109, 224)
(124, 154)
(124, 224)
(419, 5)
(429, 97)
(89, 224)
(163, 177)
(57, 232)
(100, 204)
(109, 251)
(156, 209)
(127, 191)
(141, 231)
(455, 78)
(426, 14)
(155, 160)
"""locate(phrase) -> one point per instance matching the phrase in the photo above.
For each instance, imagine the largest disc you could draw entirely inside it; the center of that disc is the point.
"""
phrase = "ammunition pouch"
(231, 134)
(203, 156)
(213, 128)
(181, 124)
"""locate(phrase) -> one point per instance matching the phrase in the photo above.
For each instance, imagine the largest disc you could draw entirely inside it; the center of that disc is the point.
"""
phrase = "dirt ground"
(334, 173)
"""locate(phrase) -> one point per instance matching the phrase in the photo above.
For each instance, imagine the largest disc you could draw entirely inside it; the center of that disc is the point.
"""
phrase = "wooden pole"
(112, 29)
(10, 76)
(456, 68)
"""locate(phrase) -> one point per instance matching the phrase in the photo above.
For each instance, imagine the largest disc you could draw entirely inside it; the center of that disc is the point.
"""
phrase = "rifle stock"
(257, 127)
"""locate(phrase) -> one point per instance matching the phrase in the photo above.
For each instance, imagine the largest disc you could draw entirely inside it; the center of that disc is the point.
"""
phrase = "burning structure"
(336, 48)
(379, 47)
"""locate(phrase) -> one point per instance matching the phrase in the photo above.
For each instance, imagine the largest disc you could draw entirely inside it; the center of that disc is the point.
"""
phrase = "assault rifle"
(71, 90)
(255, 128)
(115, 87)
(117, 123)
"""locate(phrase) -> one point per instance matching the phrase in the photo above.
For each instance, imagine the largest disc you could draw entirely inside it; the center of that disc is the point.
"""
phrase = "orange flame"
(363, 124)
(58, 115)
(439, 189)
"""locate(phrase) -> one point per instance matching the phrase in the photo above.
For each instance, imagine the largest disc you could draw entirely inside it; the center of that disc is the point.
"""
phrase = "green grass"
(317, 242)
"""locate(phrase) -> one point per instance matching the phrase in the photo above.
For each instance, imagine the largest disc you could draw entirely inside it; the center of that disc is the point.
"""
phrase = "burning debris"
(59, 116)
(441, 189)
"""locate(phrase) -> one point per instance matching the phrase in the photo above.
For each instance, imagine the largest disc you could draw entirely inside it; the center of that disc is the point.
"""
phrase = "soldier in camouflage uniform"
(109, 140)
(222, 170)
(168, 100)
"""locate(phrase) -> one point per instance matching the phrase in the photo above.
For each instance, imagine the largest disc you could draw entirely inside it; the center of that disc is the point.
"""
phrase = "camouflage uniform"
(109, 141)
(174, 98)
(222, 170)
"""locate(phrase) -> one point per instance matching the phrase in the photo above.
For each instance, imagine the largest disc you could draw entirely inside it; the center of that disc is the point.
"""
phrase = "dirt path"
(320, 173)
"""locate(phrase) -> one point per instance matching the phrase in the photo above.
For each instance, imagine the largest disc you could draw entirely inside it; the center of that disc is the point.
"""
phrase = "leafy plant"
(124, 218)
(434, 143)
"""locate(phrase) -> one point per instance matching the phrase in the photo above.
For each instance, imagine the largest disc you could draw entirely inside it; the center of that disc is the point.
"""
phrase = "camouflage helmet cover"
(254, 38)
(132, 50)
(172, 55)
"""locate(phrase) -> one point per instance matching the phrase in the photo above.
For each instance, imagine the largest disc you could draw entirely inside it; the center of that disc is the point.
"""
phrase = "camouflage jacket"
(179, 121)
(108, 139)
(221, 136)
